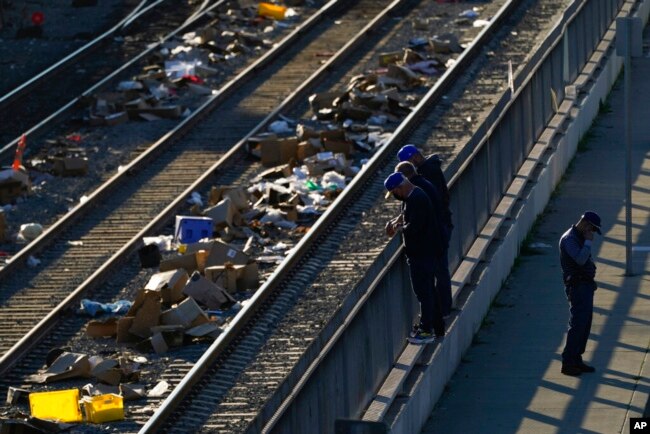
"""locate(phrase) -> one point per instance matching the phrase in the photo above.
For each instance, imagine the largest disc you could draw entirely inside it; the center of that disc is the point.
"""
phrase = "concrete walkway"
(509, 381)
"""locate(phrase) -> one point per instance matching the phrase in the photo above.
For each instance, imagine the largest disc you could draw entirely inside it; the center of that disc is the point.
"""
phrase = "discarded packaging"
(145, 311)
(102, 329)
(187, 313)
(207, 293)
(192, 229)
(67, 365)
(30, 231)
(60, 405)
(170, 284)
(92, 307)
(103, 408)
(159, 390)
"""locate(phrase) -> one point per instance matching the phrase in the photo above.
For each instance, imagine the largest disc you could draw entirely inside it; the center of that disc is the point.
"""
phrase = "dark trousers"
(581, 302)
(423, 281)
(443, 282)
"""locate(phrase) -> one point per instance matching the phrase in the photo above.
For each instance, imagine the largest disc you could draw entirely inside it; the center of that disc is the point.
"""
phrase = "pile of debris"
(115, 380)
(62, 156)
(186, 66)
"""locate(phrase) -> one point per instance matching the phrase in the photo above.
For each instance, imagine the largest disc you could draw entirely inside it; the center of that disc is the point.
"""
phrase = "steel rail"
(23, 88)
(240, 321)
(45, 324)
(6, 151)
(39, 243)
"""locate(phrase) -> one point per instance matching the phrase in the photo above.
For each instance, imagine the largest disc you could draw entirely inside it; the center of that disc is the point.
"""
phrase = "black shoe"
(586, 368)
(572, 370)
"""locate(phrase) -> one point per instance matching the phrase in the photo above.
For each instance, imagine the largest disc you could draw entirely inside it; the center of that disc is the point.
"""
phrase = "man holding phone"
(579, 272)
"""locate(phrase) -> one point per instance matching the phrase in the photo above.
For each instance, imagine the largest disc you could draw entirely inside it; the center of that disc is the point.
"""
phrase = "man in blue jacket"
(423, 245)
(578, 272)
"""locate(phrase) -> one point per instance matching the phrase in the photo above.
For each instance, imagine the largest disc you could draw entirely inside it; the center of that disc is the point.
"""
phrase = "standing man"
(423, 247)
(441, 268)
(430, 168)
(578, 272)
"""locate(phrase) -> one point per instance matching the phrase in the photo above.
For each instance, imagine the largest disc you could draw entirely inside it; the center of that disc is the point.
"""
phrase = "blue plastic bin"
(191, 229)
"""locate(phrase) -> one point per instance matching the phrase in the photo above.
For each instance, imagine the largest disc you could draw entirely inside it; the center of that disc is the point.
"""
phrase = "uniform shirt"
(431, 170)
(575, 257)
(422, 236)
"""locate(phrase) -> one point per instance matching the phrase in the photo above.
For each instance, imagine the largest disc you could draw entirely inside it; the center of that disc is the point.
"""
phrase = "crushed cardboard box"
(67, 365)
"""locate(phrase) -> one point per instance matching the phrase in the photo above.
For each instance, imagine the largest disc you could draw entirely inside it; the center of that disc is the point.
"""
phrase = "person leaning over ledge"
(430, 168)
(423, 247)
(578, 272)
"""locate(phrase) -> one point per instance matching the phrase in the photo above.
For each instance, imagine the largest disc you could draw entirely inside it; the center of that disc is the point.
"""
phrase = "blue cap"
(592, 218)
(394, 180)
(407, 152)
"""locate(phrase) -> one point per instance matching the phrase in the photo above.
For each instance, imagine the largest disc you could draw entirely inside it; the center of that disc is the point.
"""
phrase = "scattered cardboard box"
(209, 329)
(234, 278)
(187, 313)
(279, 151)
(207, 293)
(186, 262)
(170, 284)
(222, 214)
(124, 324)
(67, 365)
(131, 392)
(102, 329)
(105, 370)
(145, 311)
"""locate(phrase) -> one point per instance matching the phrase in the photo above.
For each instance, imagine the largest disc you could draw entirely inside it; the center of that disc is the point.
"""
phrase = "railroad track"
(26, 105)
(107, 225)
(324, 275)
(240, 386)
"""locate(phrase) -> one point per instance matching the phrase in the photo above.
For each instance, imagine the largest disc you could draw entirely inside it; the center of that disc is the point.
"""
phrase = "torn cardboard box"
(170, 284)
(67, 365)
(234, 277)
(207, 293)
(222, 214)
(187, 313)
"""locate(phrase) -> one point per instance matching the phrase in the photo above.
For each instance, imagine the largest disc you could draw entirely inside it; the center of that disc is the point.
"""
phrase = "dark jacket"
(421, 232)
(575, 258)
(436, 200)
(431, 170)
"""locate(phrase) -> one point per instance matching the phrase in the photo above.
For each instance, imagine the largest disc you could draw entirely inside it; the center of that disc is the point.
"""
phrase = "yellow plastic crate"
(60, 405)
(104, 408)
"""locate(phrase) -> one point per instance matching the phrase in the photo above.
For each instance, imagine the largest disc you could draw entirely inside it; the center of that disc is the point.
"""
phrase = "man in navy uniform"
(579, 272)
(430, 168)
(441, 268)
(423, 246)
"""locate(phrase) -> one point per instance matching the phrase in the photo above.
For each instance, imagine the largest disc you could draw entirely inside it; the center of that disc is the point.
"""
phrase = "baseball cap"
(407, 152)
(592, 218)
(394, 180)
